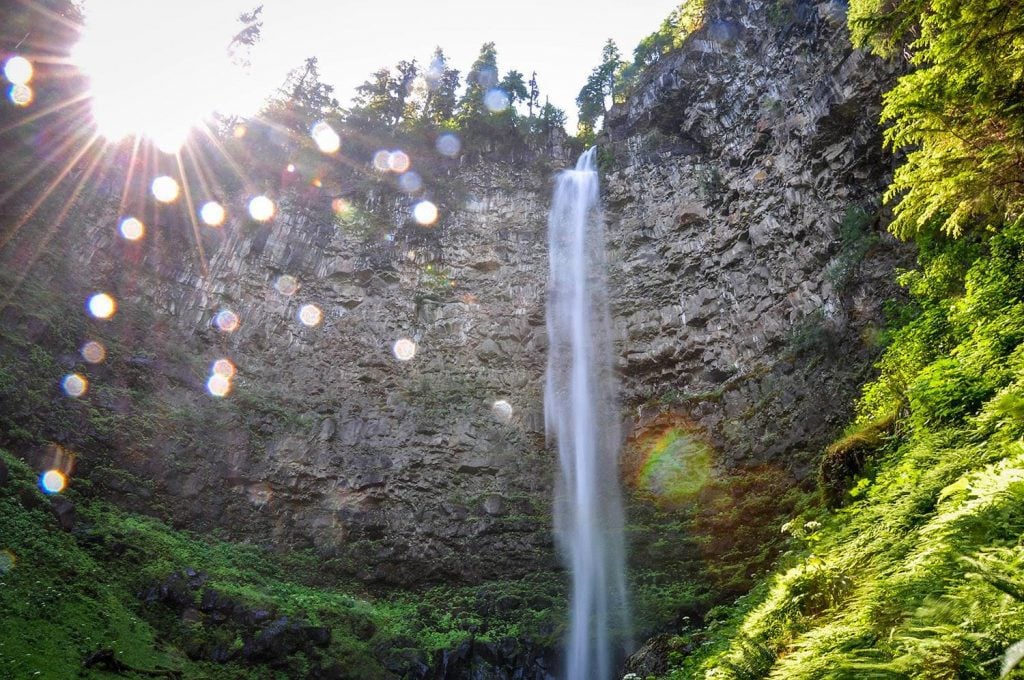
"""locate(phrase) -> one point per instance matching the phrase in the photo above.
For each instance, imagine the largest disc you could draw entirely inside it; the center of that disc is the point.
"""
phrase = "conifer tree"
(957, 115)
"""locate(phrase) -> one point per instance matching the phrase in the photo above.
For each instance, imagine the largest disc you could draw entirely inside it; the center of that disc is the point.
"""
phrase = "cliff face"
(743, 202)
(741, 311)
(422, 468)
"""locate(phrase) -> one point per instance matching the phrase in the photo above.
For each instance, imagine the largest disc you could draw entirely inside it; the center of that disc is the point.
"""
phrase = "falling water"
(581, 412)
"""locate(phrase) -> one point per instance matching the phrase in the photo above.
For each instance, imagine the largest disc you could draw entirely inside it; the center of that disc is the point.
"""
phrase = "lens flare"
(425, 213)
(502, 410)
(18, 70)
(404, 349)
(21, 95)
(286, 284)
(212, 214)
(448, 145)
(158, 69)
(326, 139)
(93, 352)
(261, 208)
(341, 207)
(398, 162)
(7, 561)
(170, 139)
(410, 182)
(102, 306)
(674, 465)
(52, 481)
(165, 189)
(132, 229)
(74, 384)
(382, 161)
(218, 385)
(260, 493)
(226, 320)
(223, 367)
(487, 77)
(238, 131)
(496, 100)
(310, 315)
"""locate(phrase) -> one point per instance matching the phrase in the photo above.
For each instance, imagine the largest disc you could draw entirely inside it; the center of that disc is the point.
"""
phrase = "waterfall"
(581, 412)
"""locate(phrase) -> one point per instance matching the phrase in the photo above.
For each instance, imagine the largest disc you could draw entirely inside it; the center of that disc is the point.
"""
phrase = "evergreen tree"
(482, 76)
(534, 93)
(250, 33)
(599, 86)
(379, 103)
(403, 109)
(303, 99)
(957, 114)
(442, 90)
(515, 87)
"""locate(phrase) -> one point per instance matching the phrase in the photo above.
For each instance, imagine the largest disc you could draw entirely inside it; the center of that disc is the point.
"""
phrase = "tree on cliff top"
(592, 99)
(442, 87)
(958, 114)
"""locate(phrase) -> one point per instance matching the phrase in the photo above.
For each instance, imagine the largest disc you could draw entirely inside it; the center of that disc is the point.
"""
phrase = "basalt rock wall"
(741, 308)
(745, 305)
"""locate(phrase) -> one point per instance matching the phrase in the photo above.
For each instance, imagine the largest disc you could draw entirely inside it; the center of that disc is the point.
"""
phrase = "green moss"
(66, 595)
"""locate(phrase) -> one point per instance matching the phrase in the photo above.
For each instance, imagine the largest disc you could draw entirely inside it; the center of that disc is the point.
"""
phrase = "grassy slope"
(70, 594)
(919, 575)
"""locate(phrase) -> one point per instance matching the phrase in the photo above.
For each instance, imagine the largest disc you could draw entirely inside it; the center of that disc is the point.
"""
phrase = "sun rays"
(120, 111)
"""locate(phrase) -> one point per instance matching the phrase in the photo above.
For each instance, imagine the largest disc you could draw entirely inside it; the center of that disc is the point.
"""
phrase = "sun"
(158, 69)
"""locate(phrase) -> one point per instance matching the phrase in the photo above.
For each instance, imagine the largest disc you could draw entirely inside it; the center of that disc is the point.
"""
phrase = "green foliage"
(599, 87)
(957, 114)
(847, 457)
(808, 333)
(855, 239)
(677, 468)
(442, 83)
(65, 595)
(673, 31)
(907, 580)
(57, 604)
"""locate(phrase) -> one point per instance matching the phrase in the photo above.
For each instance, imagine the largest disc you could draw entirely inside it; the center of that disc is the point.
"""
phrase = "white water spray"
(581, 411)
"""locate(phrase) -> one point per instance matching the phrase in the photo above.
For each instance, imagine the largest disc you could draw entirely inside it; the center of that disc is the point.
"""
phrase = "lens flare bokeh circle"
(102, 306)
(52, 481)
(226, 320)
(286, 284)
(502, 410)
(261, 208)
(212, 214)
(404, 349)
(165, 189)
(310, 315)
(325, 138)
(132, 229)
(218, 385)
(74, 384)
(425, 213)
(18, 70)
(93, 352)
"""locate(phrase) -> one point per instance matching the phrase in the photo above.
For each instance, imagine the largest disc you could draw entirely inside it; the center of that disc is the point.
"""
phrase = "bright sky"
(171, 41)
(559, 40)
